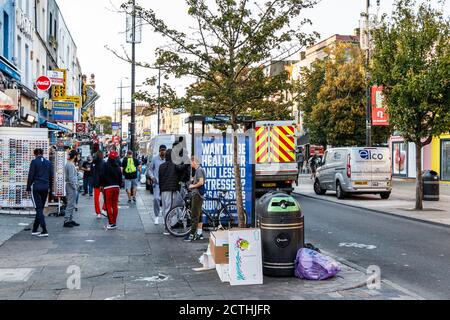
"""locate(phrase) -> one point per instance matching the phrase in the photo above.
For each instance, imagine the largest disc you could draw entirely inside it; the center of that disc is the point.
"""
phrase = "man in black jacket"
(169, 183)
(40, 179)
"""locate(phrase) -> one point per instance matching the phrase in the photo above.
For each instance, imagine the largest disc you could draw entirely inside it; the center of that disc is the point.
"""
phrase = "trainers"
(68, 224)
(190, 238)
(129, 201)
(99, 216)
(156, 221)
(111, 227)
(134, 199)
(199, 237)
(75, 224)
(166, 233)
(35, 233)
(43, 235)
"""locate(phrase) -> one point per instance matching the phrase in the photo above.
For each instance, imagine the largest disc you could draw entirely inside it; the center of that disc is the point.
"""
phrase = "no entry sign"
(43, 83)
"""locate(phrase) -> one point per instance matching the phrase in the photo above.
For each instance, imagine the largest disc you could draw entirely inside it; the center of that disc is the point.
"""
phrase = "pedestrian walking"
(169, 183)
(71, 177)
(198, 191)
(39, 184)
(313, 164)
(86, 168)
(97, 169)
(130, 167)
(153, 173)
(110, 181)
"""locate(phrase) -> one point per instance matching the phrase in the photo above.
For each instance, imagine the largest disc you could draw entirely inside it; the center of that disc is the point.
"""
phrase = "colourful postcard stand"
(245, 255)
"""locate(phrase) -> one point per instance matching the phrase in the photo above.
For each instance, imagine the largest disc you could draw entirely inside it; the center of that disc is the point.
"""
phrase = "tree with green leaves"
(332, 96)
(106, 122)
(411, 61)
(232, 42)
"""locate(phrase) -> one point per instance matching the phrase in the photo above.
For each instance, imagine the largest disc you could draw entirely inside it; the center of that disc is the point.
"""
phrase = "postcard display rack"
(17, 147)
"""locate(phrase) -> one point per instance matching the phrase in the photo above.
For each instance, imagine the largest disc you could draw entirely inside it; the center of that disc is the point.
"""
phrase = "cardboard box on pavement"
(219, 247)
(245, 257)
(223, 270)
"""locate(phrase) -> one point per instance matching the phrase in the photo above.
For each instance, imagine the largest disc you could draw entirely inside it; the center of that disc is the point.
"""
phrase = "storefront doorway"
(445, 159)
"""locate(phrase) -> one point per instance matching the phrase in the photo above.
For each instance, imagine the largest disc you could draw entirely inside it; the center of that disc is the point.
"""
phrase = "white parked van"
(355, 171)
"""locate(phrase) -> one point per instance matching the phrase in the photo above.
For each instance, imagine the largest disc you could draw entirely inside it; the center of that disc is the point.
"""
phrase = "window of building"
(27, 64)
(43, 31)
(27, 8)
(6, 35)
(19, 52)
(445, 160)
(51, 25)
(38, 68)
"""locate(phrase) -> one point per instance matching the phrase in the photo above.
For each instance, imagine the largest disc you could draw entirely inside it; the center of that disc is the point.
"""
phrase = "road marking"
(358, 245)
(15, 275)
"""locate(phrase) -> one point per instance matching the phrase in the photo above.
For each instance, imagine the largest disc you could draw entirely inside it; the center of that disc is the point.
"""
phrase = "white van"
(355, 171)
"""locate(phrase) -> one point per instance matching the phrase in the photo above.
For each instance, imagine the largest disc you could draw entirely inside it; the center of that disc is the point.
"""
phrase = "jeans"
(71, 196)
(156, 200)
(87, 185)
(39, 198)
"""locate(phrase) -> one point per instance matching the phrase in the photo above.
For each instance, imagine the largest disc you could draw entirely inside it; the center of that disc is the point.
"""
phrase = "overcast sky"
(96, 23)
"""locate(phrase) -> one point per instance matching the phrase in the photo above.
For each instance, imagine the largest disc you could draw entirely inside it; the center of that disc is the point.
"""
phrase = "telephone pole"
(368, 102)
(159, 103)
(133, 78)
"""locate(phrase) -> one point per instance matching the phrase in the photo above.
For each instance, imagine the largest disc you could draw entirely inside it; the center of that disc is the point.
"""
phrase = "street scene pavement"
(401, 202)
(138, 262)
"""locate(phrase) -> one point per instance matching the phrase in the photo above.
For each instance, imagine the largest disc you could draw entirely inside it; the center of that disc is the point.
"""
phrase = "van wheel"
(385, 195)
(340, 194)
(318, 190)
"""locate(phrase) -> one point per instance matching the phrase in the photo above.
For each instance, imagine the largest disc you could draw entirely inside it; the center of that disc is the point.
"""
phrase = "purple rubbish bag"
(312, 265)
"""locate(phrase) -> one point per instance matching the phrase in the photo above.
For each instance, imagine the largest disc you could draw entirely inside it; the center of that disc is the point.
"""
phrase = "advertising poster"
(245, 257)
(400, 157)
(216, 153)
(379, 115)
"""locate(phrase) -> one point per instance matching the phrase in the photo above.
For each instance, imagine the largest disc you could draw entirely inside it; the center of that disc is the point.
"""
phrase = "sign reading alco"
(369, 155)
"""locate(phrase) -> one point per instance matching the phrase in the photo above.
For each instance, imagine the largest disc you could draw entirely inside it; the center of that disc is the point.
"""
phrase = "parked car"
(355, 171)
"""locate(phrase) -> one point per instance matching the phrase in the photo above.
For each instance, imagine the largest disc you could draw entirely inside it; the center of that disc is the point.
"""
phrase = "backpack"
(131, 168)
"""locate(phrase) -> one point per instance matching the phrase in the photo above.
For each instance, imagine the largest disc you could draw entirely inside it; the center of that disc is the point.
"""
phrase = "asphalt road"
(412, 254)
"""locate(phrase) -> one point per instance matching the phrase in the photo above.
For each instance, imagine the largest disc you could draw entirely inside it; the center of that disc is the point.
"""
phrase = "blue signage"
(9, 71)
(63, 104)
(115, 126)
(63, 114)
(216, 153)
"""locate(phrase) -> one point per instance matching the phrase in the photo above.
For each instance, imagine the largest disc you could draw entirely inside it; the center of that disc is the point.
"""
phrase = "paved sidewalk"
(401, 202)
(138, 262)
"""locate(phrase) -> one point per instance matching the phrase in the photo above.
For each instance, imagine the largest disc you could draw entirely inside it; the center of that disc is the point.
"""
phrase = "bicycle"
(178, 221)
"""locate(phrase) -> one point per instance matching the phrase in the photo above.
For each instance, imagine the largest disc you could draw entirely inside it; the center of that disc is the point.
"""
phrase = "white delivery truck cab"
(355, 171)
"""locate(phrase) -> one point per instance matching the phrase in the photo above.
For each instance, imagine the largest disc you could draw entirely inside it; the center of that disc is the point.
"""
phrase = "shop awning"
(52, 126)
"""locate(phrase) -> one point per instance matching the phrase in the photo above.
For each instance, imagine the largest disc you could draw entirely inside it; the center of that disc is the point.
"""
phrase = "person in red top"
(110, 181)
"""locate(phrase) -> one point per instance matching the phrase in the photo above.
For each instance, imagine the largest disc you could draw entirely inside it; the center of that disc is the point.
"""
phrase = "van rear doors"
(370, 168)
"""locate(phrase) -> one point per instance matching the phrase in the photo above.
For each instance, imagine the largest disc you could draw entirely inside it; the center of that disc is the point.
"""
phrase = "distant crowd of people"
(171, 173)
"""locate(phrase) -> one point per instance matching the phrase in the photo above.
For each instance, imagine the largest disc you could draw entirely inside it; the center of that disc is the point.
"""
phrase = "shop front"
(403, 158)
(441, 156)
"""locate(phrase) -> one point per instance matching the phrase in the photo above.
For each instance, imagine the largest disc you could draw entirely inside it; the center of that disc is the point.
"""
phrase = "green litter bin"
(282, 233)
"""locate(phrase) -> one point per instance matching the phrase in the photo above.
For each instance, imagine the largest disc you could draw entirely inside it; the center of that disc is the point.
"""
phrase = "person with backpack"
(39, 184)
(198, 191)
(130, 167)
(169, 182)
(110, 181)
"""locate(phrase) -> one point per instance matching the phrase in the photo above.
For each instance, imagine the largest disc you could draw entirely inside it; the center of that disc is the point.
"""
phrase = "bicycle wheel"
(178, 221)
(227, 219)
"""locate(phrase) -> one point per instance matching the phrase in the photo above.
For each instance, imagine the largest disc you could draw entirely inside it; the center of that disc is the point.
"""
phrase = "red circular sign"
(43, 83)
